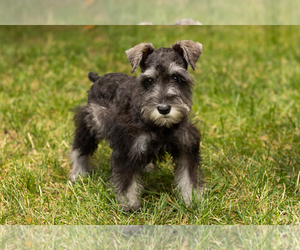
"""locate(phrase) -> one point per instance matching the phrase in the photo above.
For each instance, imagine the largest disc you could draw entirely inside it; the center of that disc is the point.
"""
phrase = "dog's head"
(166, 95)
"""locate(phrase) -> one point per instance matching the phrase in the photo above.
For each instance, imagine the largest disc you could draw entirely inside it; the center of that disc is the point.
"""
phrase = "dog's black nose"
(164, 109)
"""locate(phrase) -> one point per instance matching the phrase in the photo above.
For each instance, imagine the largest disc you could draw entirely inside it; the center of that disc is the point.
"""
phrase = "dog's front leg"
(127, 185)
(188, 177)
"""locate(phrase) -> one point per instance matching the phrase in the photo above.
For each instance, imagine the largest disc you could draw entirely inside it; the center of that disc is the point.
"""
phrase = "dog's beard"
(176, 115)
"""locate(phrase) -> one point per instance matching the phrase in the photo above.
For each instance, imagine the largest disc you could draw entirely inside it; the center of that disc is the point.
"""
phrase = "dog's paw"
(127, 205)
(74, 175)
(127, 208)
(191, 197)
(81, 165)
(149, 168)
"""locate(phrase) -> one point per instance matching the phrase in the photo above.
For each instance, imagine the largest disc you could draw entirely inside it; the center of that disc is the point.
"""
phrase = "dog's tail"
(93, 76)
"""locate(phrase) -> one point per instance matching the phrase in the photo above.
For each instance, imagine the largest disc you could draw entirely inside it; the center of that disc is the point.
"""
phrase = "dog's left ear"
(189, 50)
(138, 54)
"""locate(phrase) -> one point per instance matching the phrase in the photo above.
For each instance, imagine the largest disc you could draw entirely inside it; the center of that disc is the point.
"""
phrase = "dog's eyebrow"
(151, 72)
(175, 68)
(183, 74)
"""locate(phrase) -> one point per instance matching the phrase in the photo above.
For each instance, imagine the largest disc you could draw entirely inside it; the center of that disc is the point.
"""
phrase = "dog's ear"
(138, 54)
(189, 50)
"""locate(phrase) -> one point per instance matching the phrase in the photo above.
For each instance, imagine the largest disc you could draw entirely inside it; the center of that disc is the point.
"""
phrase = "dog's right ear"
(138, 54)
(189, 50)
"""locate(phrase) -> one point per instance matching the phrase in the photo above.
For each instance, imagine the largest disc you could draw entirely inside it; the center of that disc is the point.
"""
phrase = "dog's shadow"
(157, 179)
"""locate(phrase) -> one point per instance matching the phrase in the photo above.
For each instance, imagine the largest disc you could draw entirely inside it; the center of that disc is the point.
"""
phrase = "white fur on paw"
(186, 187)
(80, 165)
(131, 199)
(149, 168)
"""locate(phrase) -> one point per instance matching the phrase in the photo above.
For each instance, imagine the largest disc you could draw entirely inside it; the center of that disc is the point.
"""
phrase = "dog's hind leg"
(84, 145)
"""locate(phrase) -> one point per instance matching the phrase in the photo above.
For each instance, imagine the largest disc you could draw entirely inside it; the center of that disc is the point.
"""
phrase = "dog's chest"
(152, 143)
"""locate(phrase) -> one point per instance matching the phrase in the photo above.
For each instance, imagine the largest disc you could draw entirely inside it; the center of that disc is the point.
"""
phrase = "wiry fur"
(142, 118)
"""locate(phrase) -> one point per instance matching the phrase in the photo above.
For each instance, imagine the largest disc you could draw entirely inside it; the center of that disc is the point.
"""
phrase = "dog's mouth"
(165, 115)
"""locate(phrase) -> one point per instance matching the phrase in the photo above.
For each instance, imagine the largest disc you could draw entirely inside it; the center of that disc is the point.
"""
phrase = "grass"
(246, 102)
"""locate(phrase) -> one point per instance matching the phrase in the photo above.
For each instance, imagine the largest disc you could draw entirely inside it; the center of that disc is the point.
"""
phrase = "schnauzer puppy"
(142, 118)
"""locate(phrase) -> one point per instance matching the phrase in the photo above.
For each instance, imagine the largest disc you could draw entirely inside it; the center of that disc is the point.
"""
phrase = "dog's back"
(110, 89)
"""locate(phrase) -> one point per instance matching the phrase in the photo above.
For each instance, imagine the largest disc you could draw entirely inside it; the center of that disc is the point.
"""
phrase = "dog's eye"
(175, 78)
(148, 82)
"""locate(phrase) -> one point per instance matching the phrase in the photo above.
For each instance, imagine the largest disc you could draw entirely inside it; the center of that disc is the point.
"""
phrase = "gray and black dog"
(142, 118)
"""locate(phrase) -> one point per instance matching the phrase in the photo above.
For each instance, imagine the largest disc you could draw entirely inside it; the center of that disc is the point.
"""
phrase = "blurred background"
(166, 12)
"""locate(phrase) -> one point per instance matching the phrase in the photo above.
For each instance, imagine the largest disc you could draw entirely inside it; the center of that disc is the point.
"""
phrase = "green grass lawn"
(246, 103)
